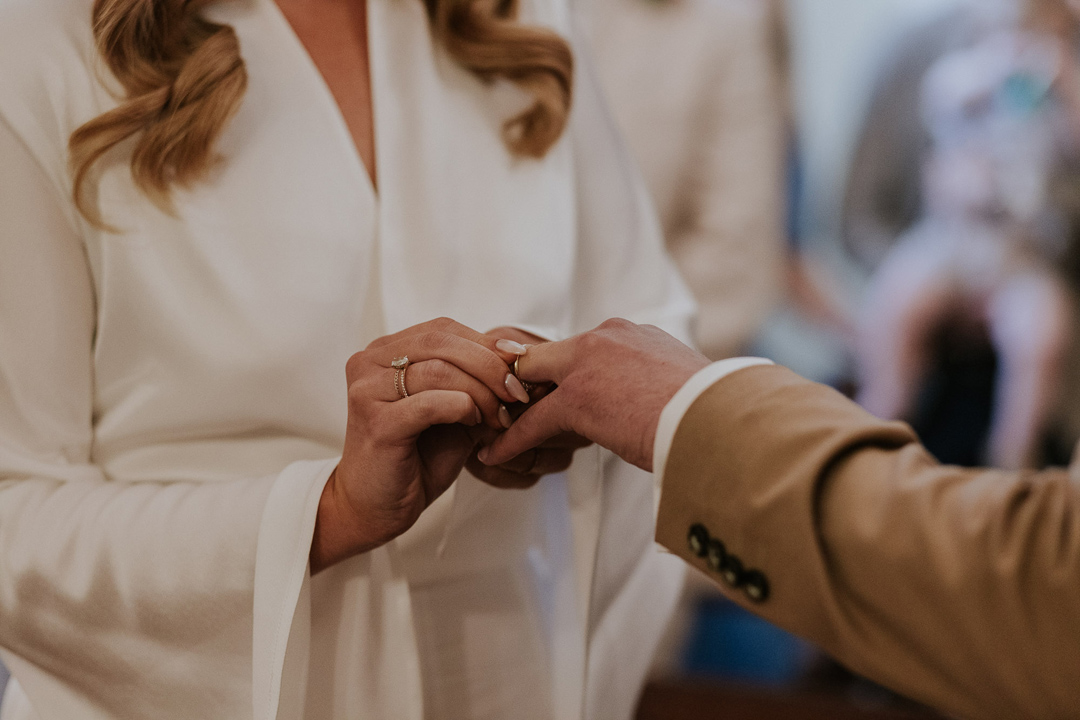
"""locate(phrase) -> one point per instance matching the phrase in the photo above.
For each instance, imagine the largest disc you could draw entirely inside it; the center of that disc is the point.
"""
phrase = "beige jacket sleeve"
(960, 588)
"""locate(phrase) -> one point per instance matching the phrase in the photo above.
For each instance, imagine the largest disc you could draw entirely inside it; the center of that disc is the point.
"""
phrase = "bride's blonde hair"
(184, 79)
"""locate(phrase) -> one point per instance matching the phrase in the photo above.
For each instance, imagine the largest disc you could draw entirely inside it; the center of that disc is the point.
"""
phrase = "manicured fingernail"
(516, 388)
(484, 454)
(509, 346)
(479, 416)
(504, 417)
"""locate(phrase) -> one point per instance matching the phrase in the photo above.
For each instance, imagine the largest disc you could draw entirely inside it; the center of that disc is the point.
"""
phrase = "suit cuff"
(677, 407)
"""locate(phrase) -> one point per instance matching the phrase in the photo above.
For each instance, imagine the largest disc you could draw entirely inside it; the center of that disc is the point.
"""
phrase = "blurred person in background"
(214, 501)
(994, 232)
(883, 194)
(697, 89)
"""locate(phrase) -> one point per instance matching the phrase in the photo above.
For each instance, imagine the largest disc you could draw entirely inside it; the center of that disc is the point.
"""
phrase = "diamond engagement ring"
(400, 365)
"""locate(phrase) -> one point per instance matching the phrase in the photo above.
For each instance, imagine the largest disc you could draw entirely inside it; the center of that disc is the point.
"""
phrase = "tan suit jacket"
(694, 88)
(960, 588)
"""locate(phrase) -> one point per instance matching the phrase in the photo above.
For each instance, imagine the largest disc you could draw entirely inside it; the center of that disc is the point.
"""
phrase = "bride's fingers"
(523, 471)
(446, 325)
(499, 478)
(386, 385)
(406, 419)
(540, 461)
(567, 441)
(480, 362)
(437, 325)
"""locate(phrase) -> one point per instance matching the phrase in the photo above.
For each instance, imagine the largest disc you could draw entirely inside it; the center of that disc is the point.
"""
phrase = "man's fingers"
(540, 422)
(549, 362)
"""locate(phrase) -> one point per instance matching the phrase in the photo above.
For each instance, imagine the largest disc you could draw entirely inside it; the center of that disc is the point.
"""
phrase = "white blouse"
(172, 398)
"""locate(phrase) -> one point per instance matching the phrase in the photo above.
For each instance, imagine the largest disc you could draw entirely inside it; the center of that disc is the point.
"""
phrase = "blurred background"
(882, 195)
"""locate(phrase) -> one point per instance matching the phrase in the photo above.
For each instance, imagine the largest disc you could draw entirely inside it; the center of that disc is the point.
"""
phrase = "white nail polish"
(514, 386)
(504, 417)
(511, 347)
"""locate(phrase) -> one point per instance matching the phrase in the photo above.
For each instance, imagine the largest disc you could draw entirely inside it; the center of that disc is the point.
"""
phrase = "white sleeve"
(106, 587)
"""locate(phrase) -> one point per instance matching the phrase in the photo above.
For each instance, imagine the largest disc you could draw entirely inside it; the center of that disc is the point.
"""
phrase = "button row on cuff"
(727, 565)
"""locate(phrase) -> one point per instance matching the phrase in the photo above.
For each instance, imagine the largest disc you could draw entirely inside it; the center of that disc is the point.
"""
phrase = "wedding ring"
(527, 385)
(400, 365)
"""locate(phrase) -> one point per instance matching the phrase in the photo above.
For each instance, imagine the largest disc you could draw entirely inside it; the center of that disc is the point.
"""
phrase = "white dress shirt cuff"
(678, 406)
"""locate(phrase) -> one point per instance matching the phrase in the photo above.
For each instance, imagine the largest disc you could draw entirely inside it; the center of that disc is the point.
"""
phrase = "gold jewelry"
(400, 365)
(527, 385)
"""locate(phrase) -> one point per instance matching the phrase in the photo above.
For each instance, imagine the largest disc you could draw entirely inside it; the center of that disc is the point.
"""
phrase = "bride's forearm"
(339, 533)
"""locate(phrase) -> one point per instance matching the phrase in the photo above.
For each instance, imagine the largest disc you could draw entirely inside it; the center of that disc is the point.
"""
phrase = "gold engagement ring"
(400, 365)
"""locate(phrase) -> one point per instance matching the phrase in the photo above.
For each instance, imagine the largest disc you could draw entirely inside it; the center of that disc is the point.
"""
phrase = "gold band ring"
(516, 370)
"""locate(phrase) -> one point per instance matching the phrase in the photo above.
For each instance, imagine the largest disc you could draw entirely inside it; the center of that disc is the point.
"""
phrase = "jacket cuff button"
(715, 555)
(698, 540)
(756, 586)
(731, 570)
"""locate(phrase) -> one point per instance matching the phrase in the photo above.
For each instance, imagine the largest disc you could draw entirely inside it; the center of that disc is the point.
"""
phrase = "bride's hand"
(402, 453)
(525, 470)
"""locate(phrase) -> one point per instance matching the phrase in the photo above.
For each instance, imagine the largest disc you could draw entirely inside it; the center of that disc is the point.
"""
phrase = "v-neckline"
(329, 102)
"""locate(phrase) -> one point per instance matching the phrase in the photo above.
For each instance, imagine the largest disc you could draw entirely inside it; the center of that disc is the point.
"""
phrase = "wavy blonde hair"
(184, 79)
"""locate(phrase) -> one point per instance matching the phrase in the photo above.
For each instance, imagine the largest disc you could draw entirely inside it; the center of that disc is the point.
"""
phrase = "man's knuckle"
(586, 344)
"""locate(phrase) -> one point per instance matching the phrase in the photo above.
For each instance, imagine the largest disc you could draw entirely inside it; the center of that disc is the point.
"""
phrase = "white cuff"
(282, 583)
(677, 407)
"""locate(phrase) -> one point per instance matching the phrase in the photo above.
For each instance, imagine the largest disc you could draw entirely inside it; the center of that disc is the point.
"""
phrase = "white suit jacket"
(172, 399)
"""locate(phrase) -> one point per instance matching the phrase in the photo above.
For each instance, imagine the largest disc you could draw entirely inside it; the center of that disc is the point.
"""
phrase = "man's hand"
(553, 456)
(612, 384)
